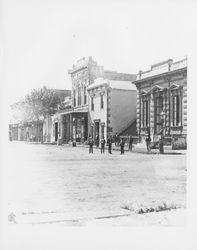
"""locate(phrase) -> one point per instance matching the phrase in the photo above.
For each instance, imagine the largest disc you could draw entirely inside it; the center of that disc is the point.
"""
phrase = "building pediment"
(156, 88)
(174, 86)
(144, 92)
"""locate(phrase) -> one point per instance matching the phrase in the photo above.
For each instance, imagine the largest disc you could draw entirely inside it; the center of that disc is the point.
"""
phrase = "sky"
(43, 39)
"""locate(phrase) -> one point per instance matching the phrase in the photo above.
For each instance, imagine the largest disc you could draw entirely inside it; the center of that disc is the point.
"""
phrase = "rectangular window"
(102, 102)
(145, 114)
(102, 130)
(176, 110)
(92, 103)
(74, 98)
(158, 110)
(79, 96)
(85, 96)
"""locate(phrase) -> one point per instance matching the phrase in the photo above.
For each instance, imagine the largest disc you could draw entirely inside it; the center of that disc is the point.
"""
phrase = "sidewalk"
(139, 148)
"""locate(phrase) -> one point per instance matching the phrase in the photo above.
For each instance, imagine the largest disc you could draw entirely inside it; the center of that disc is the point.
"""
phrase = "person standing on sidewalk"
(109, 142)
(103, 145)
(130, 142)
(148, 139)
(122, 142)
(90, 145)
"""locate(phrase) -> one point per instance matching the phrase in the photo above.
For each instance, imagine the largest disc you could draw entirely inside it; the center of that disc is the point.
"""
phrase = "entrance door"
(56, 131)
(158, 110)
(96, 134)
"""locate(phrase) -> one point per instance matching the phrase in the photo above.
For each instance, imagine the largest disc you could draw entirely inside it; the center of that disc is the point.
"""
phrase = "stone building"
(112, 106)
(162, 102)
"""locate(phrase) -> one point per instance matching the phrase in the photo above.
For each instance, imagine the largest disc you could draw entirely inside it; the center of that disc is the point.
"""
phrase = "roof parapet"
(162, 67)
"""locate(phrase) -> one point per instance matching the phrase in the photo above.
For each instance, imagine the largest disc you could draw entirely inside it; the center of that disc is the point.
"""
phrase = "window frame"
(145, 116)
(92, 103)
(85, 95)
(102, 101)
(176, 113)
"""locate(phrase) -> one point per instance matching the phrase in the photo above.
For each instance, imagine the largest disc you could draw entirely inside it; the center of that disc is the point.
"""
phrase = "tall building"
(83, 75)
(162, 102)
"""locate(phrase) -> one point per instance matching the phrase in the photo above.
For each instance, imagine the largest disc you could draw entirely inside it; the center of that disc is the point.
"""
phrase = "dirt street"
(47, 184)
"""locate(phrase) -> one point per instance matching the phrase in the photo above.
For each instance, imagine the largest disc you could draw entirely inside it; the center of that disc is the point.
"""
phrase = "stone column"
(71, 127)
(184, 109)
(151, 114)
(138, 113)
(164, 109)
(167, 112)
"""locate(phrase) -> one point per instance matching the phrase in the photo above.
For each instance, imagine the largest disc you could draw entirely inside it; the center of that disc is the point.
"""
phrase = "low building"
(162, 102)
(52, 123)
(112, 106)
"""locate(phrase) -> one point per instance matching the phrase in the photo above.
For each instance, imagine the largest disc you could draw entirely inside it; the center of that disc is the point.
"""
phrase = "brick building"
(162, 102)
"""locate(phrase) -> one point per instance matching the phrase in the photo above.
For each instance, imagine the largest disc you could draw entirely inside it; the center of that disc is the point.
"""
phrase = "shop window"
(145, 113)
(102, 102)
(176, 110)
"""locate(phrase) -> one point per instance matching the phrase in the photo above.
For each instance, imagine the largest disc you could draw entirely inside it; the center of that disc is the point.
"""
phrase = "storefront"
(79, 126)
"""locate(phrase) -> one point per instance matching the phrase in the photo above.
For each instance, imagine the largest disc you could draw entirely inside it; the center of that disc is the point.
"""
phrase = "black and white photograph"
(95, 123)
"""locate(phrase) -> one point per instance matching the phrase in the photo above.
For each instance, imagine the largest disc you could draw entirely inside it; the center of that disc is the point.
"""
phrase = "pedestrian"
(130, 142)
(90, 145)
(122, 142)
(109, 143)
(161, 144)
(103, 145)
(148, 140)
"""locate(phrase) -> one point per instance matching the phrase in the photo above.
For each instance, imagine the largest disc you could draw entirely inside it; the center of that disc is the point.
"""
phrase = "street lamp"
(161, 141)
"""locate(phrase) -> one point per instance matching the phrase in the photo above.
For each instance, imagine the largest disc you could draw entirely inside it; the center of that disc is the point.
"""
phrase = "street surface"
(49, 184)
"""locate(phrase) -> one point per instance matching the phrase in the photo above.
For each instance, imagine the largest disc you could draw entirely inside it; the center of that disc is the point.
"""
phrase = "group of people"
(109, 144)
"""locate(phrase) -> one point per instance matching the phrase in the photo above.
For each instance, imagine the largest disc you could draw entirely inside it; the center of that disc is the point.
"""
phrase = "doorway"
(56, 131)
(96, 131)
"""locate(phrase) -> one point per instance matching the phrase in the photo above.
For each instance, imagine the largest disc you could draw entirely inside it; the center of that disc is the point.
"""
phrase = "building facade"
(112, 107)
(162, 102)
(52, 123)
(82, 75)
